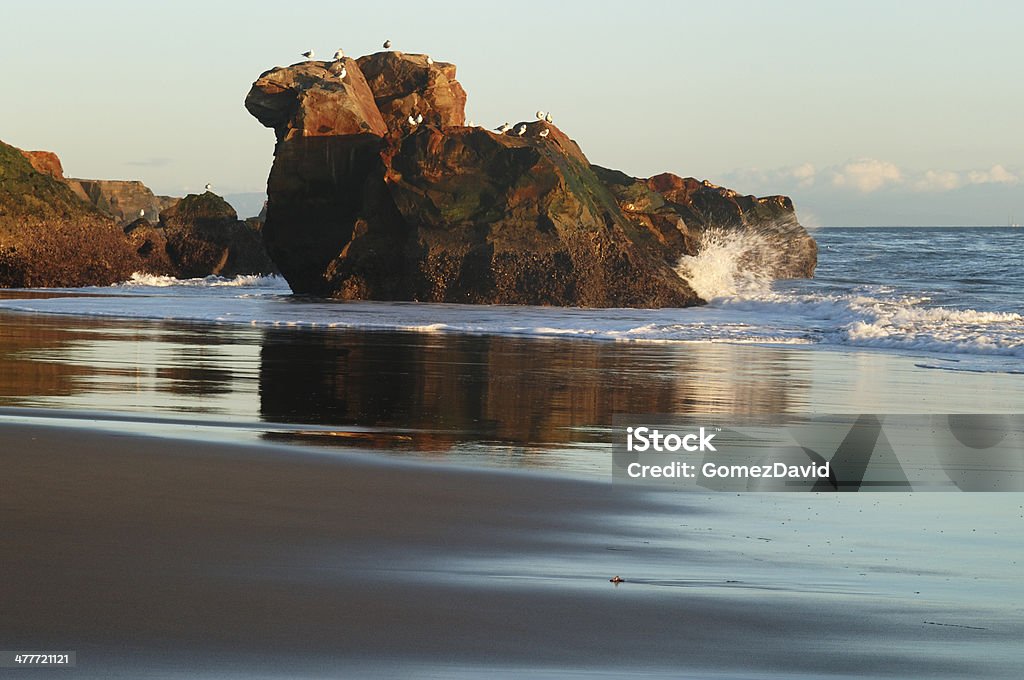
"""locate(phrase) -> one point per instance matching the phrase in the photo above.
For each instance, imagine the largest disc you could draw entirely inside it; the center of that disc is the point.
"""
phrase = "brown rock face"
(519, 219)
(310, 99)
(45, 162)
(204, 236)
(442, 212)
(406, 85)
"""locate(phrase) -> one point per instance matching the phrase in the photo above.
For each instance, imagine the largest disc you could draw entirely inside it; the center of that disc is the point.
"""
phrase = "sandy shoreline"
(167, 558)
(223, 551)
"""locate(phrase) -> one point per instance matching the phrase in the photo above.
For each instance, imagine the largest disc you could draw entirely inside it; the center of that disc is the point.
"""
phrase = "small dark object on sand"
(616, 579)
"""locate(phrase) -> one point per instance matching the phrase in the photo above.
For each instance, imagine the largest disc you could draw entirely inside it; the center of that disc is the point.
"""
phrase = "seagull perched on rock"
(411, 120)
(548, 118)
(419, 118)
(342, 73)
(540, 115)
(387, 44)
(308, 55)
(339, 55)
(522, 130)
(208, 186)
(503, 128)
(545, 132)
(429, 60)
(142, 213)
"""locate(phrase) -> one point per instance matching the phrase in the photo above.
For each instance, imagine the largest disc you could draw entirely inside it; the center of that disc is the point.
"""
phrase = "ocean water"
(951, 296)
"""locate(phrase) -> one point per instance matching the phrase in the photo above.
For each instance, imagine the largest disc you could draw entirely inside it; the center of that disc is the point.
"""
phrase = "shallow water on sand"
(496, 400)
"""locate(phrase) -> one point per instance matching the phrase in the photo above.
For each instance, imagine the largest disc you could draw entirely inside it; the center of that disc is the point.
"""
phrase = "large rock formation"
(364, 204)
(49, 237)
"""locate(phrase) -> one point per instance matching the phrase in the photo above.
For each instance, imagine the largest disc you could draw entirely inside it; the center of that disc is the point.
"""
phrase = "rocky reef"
(61, 232)
(380, 191)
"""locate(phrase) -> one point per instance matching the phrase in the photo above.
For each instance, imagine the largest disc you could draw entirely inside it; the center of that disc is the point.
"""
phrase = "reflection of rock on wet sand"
(443, 390)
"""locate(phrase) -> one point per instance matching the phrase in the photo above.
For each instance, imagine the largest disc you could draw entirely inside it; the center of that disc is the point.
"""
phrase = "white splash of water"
(240, 281)
(730, 263)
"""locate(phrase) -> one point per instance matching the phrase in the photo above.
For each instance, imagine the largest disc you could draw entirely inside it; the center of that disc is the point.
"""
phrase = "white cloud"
(803, 174)
(997, 174)
(866, 175)
(755, 179)
(937, 180)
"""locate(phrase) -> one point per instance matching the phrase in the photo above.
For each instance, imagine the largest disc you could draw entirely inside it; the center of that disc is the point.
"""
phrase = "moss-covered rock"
(204, 236)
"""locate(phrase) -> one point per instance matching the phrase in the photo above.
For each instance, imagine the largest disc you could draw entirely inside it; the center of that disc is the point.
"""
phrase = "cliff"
(379, 191)
(60, 232)
(121, 199)
(51, 237)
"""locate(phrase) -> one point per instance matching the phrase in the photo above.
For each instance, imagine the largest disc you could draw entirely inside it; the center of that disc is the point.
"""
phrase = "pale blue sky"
(865, 112)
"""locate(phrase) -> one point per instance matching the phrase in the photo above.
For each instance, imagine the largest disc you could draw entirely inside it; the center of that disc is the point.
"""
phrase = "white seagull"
(142, 213)
(522, 130)
(387, 44)
(339, 55)
(308, 55)
(412, 121)
(342, 73)
(208, 186)
(429, 60)
(545, 133)
(504, 127)
(540, 115)
(548, 118)
(419, 118)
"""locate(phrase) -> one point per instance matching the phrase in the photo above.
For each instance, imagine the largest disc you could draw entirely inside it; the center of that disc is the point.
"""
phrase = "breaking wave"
(729, 263)
(732, 272)
(241, 281)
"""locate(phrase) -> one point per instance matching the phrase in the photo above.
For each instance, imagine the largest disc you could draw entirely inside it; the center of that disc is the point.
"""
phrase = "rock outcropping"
(203, 236)
(379, 191)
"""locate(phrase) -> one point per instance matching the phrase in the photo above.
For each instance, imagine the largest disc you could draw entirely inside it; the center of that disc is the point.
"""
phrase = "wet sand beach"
(171, 508)
(168, 558)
